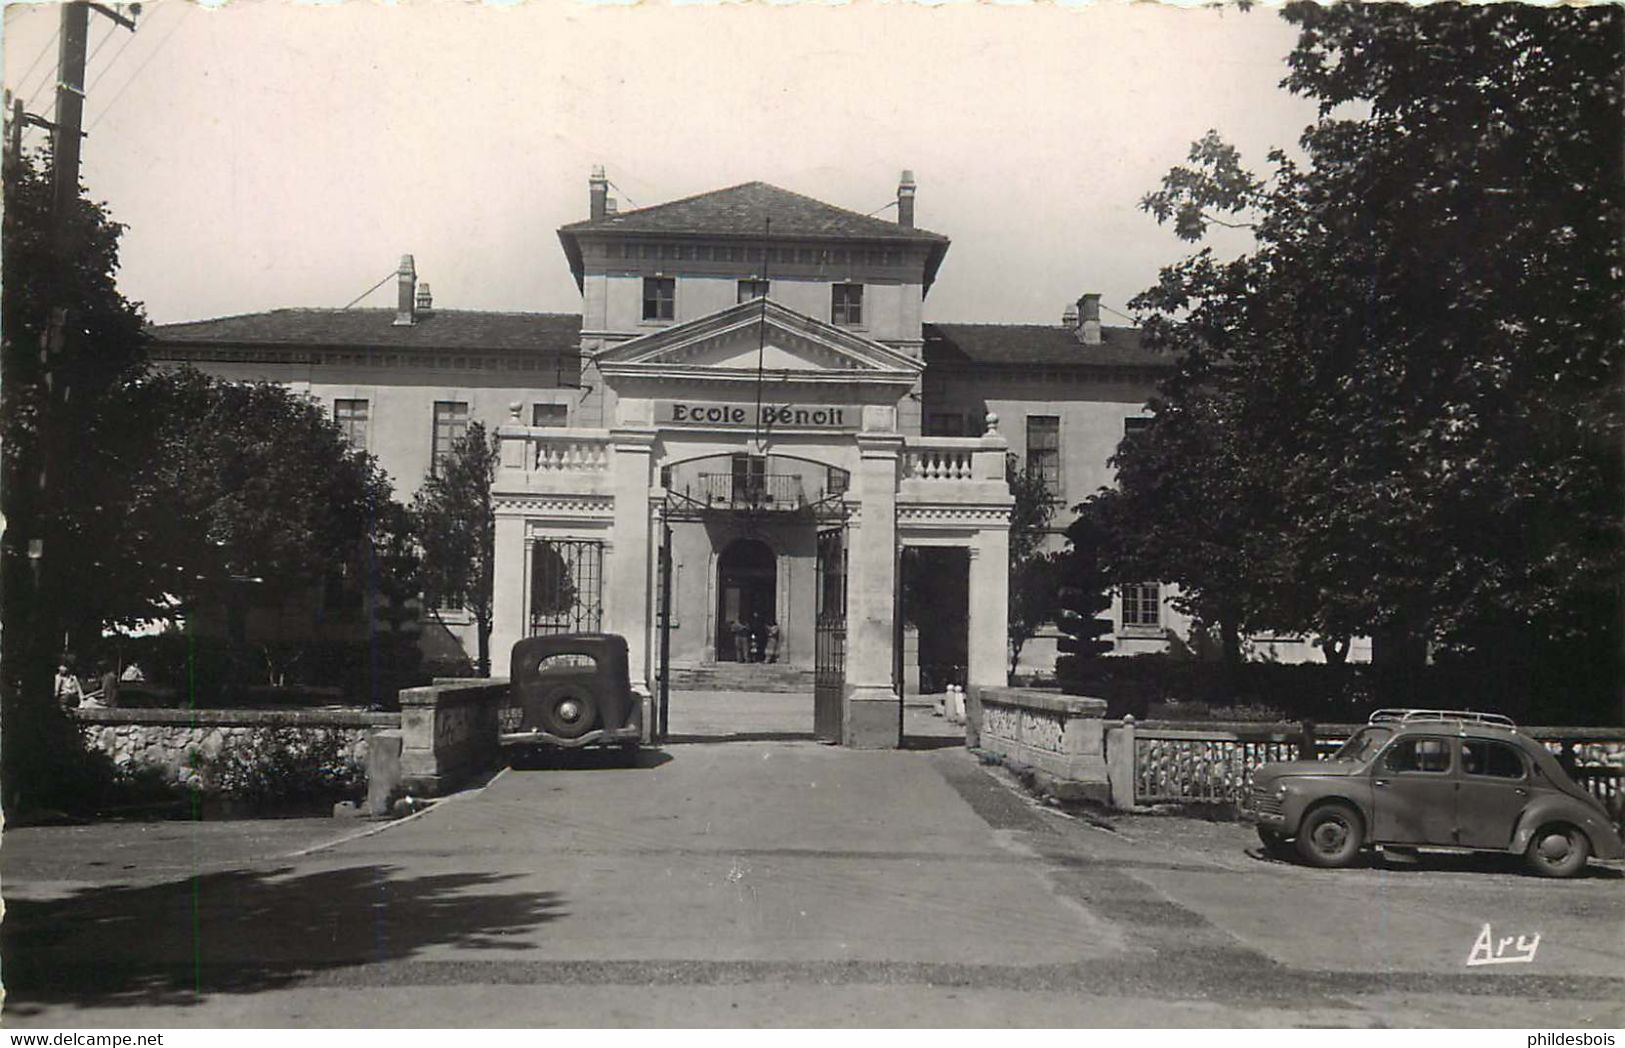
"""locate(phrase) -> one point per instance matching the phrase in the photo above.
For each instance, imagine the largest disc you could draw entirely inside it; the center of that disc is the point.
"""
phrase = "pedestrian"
(772, 643)
(757, 636)
(133, 674)
(741, 634)
(68, 692)
(106, 693)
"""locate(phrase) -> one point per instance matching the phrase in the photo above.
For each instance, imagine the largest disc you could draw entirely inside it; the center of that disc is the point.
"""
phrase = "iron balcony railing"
(763, 491)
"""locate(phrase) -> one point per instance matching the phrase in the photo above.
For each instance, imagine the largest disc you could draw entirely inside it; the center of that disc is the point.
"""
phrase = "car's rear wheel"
(568, 713)
(1330, 835)
(1558, 851)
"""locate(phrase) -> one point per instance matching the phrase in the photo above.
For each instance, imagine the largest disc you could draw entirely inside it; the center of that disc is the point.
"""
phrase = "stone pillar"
(872, 706)
(989, 609)
(509, 568)
(626, 575)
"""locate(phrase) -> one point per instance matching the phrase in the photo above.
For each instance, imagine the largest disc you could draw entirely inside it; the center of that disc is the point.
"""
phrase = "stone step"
(749, 676)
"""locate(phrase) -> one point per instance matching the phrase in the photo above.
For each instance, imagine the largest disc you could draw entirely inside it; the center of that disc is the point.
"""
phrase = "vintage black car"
(572, 690)
(1452, 779)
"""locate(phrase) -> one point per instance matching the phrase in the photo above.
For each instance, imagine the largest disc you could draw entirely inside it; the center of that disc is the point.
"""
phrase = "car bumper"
(596, 737)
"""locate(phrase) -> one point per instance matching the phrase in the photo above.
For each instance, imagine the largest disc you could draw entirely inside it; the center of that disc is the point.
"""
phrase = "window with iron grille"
(659, 298)
(566, 586)
(846, 304)
(750, 290)
(1044, 450)
(836, 480)
(351, 415)
(1142, 604)
(550, 414)
(450, 425)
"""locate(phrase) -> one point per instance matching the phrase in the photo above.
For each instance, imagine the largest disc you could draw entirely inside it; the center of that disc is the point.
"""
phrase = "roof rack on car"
(1476, 717)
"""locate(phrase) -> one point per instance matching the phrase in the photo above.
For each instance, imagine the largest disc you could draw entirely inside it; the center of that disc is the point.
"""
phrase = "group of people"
(756, 642)
(71, 691)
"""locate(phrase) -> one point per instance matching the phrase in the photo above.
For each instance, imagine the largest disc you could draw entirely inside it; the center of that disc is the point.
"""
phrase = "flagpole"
(761, 329)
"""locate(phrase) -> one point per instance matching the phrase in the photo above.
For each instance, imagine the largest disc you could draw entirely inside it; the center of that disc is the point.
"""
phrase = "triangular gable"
(786, 340)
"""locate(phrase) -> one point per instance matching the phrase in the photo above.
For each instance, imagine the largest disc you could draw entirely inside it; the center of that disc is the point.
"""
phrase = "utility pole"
(70, 110)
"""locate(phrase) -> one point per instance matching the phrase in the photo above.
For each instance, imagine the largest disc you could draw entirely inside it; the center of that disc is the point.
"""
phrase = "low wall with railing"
(1174, 762)
(449, 734)
(1059, 737)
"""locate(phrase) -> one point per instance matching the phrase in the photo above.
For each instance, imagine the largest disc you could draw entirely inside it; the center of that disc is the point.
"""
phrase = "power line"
(112, 27)
(31, 66)
(111, 62)
(370, 290)
(624, 194)
(882, 207)
(1109, 309)
(141, 68)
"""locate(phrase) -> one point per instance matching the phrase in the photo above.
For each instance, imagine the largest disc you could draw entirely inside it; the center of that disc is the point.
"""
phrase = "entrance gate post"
(872, 719)
(626, 589)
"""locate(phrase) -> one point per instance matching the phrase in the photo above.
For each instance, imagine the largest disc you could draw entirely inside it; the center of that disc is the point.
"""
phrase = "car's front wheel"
(1558, 851)
(1330, 835)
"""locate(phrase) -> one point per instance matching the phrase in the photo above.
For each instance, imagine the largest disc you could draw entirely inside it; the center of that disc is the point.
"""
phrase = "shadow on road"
(586, 759)
(1438, 862)
(245, 931)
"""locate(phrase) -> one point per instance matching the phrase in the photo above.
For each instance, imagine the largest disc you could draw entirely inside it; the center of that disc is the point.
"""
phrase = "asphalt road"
(776, 881)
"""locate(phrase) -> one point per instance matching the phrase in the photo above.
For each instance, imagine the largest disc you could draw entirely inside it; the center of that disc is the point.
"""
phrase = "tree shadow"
(245, 931)
(586, 758)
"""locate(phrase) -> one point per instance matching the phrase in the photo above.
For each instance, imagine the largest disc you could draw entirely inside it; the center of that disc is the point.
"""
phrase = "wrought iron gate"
(566, 586)
(829, 648)
(662, 710)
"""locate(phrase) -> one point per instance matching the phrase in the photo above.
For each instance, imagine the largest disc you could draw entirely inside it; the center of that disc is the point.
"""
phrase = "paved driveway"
(788, 883)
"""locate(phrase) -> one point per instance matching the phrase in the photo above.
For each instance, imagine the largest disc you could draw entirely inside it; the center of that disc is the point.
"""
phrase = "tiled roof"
(442, 329)
(962, 345)
(743, 210)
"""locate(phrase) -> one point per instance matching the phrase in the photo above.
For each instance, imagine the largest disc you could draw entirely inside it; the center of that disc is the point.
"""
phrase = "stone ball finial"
(514, 407)
(992, 423)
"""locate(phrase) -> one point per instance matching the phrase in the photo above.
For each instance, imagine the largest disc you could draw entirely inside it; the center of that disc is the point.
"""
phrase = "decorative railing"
(941, 458)
(569, 453)
(766, 491)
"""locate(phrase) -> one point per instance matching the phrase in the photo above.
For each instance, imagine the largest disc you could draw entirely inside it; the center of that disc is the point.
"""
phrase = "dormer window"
(750, 290)
(659, 298)
(846, 304)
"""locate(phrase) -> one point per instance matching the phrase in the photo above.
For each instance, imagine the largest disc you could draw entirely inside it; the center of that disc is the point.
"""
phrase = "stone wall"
(449, 733)
(1060, 738)
(180, 740)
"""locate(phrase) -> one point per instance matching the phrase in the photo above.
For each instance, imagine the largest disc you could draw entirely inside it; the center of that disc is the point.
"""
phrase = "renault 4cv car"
(572, 690)
(1453, 779)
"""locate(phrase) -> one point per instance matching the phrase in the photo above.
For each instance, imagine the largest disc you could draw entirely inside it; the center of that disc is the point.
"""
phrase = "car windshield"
(1362, 744)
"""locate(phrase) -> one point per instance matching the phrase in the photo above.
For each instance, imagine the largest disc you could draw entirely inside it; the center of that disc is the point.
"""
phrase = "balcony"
(760, 493)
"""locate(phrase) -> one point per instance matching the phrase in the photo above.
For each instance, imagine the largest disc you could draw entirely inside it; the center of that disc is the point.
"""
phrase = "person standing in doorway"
(741, 634)
(770, 649)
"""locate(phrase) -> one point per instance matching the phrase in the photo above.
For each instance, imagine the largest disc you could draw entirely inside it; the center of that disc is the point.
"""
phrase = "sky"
(266, 154)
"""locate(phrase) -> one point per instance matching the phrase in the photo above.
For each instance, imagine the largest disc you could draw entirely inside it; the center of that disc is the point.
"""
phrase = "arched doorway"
(747, 583)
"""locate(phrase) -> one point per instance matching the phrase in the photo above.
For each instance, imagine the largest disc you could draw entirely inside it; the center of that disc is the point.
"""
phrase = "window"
(750, 290)
(1142, 604)
(450, 424)
(846, 304)
(1044, 450)
(659, 298)
(1419, 754)
(749, 476)
(1496, 759)
(550, 414)
(944, 424)
(836, 480)
(351, 415)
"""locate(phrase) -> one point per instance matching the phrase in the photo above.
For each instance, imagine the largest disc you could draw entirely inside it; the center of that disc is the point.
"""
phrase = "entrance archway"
(747, 585)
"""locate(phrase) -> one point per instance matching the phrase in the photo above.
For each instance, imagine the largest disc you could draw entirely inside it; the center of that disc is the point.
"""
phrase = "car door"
(1413, 792)
(1493, 791)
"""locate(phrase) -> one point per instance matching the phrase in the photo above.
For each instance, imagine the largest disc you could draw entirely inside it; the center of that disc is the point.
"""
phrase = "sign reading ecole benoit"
(743, 416)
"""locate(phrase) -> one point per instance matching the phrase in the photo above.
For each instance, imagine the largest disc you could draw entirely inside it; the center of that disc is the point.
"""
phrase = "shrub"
(276, 767)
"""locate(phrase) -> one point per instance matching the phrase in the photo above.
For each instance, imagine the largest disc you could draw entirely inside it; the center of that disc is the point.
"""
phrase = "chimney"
(905, 200)
(599, 186)
(1069, 317)
(407, 276)
(1089, 319)
(425, 304)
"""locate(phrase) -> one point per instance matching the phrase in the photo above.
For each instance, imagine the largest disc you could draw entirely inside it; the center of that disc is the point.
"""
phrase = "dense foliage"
(1400, 413)
(1032, 569)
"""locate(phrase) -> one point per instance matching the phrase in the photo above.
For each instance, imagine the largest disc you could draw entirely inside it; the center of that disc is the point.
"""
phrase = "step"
(750, 676)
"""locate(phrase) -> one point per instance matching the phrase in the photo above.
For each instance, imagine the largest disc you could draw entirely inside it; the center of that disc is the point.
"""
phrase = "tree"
(1400, 413)
(1032, 587)
(1082, 592)
(457, 528)
(69, 338)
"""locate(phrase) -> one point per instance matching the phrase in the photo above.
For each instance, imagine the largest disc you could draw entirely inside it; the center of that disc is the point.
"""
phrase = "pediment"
(736, 338)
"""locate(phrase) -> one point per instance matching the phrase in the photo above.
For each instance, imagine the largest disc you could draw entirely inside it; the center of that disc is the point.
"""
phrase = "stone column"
(509, 577)
(627, 567)
(989, 609)
(872, 706)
